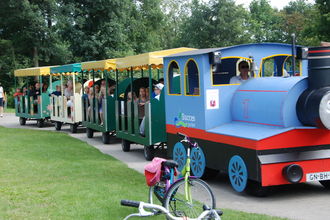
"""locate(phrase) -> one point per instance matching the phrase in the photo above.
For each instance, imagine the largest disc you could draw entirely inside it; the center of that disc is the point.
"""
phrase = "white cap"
(159, 86)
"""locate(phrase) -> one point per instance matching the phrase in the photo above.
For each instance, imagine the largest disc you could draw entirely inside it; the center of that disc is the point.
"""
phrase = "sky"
(279, 4)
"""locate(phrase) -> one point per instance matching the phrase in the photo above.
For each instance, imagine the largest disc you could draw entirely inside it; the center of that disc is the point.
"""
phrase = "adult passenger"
(243, 68)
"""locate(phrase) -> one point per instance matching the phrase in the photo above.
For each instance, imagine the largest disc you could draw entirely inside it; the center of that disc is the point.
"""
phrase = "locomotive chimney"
(313, 106)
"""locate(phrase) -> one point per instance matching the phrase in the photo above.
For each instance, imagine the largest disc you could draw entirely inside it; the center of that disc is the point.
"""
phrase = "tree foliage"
(48, 32)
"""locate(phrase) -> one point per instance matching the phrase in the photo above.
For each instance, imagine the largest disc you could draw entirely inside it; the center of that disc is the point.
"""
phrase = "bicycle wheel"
(201, 194)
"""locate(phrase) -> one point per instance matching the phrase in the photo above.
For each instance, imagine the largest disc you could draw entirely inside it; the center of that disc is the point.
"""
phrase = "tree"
(324, 22)
(215, 24)
(265, 22)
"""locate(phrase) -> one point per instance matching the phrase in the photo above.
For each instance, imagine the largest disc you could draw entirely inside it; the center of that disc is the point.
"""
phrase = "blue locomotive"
(270, 128)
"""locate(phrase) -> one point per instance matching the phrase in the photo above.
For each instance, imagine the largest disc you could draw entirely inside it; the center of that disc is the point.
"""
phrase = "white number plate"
(318, 176)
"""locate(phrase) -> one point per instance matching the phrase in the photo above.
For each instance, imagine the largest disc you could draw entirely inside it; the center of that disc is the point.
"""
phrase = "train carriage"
(99, 114)
(66, 108)
(128, 121)
(257, 132)
(33, 107)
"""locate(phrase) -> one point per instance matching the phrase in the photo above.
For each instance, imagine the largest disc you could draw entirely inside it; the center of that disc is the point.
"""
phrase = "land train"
(272, 129)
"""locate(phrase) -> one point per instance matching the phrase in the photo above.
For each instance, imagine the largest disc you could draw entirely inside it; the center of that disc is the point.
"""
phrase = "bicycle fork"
(187, 188)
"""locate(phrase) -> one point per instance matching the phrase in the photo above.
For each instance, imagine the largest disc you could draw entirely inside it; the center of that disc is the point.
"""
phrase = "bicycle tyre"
(200, 190)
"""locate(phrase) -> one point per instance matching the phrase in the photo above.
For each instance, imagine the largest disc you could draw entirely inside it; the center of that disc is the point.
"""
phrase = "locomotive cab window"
(174, 79)
(191, 74)
(279, 65)
(228, 68)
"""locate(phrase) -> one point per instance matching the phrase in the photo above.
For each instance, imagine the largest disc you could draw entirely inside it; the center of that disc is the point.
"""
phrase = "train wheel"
(254, 188)
(237, 172)
(73, 128)
(89, 132)
(197, 162)
(40, 123)
(325, 184)
(125, 145)
(179, 154)
(105, 137)
(22, 121)
(58, 125)
(149, 152)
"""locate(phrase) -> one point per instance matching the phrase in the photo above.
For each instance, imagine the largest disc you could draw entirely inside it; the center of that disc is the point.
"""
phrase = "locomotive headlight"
(324, 110)
(293, 173)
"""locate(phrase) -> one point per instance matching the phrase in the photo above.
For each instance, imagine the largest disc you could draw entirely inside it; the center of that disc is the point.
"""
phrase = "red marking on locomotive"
(243, 90)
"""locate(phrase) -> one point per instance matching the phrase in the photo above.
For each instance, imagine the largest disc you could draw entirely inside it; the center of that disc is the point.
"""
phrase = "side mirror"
(215, 57)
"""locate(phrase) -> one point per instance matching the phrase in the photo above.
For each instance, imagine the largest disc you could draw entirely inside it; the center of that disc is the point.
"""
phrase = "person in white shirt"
(243, 68)
(1, 100)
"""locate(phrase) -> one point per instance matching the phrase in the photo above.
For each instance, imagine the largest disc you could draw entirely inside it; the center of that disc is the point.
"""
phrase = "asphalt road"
(302, 201)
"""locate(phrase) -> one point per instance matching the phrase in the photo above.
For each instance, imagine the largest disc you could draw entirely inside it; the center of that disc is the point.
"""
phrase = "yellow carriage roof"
(34, 71)
(109, 64)
(142, 61)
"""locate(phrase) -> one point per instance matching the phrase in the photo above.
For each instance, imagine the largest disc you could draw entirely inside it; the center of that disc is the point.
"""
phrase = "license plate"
(318, 176)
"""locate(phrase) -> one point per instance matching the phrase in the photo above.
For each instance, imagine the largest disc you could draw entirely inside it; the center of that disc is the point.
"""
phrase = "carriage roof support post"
(131, 76)
(93, 110)
(82, 82)
(116, 84)
(158, 74)
(74, 82)
(150, 82)
(293, 54)
(106, 73)
(141, 73)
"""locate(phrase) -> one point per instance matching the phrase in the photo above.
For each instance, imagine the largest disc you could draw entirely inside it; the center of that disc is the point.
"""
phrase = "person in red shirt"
(17, 94)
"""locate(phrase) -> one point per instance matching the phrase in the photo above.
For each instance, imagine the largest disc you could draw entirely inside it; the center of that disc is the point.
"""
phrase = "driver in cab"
(244, 69)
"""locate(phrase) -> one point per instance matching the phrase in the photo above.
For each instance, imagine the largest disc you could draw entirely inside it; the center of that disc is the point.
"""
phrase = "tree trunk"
(35, 56)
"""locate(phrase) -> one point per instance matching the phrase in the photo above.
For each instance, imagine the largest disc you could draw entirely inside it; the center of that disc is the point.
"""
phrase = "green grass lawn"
(49, 175)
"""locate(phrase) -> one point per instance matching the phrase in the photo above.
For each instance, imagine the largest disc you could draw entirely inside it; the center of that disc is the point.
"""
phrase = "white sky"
(279, 4)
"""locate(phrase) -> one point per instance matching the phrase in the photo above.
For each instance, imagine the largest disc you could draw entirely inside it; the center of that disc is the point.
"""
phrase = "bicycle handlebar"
(186, 138)
(143, 213)
(130, 203)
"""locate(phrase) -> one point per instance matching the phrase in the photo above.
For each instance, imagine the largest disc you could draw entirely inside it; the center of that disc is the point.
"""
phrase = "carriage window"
(228, 68)
(174, 79)
(278, 66)
(191, 78)
(287, 67)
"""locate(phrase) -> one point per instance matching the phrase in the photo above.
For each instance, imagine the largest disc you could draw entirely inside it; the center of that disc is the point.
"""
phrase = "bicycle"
(184, 198)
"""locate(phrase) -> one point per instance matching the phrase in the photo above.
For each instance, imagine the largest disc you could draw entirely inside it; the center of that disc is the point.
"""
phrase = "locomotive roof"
(209, 50)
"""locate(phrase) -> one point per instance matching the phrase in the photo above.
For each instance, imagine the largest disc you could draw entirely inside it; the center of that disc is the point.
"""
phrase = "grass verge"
(49, 175)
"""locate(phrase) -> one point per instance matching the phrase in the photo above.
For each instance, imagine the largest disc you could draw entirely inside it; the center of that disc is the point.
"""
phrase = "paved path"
(303, 201)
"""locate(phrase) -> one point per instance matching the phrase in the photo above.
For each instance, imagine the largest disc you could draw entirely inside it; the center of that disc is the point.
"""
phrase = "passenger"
(57, 92)
(129, 96)
(35, 93)
(68, 93)
(18, 95)
(244, 68)
(25, 91)
(147, 93)
(102, 96)
(86, 92)
(161, 80)
(44, 87)
(2, 96)
(157, 90)
(141, 102)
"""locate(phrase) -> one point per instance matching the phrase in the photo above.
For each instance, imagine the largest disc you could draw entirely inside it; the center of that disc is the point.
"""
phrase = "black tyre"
(58, 125)
(209, 173)
(254, 188)
(125, 145)
(22, 121)
(40, 123)
(201, 194)
(105, 137)
(149, 152)
(89, 132)
(325, 183)
(73, 128)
